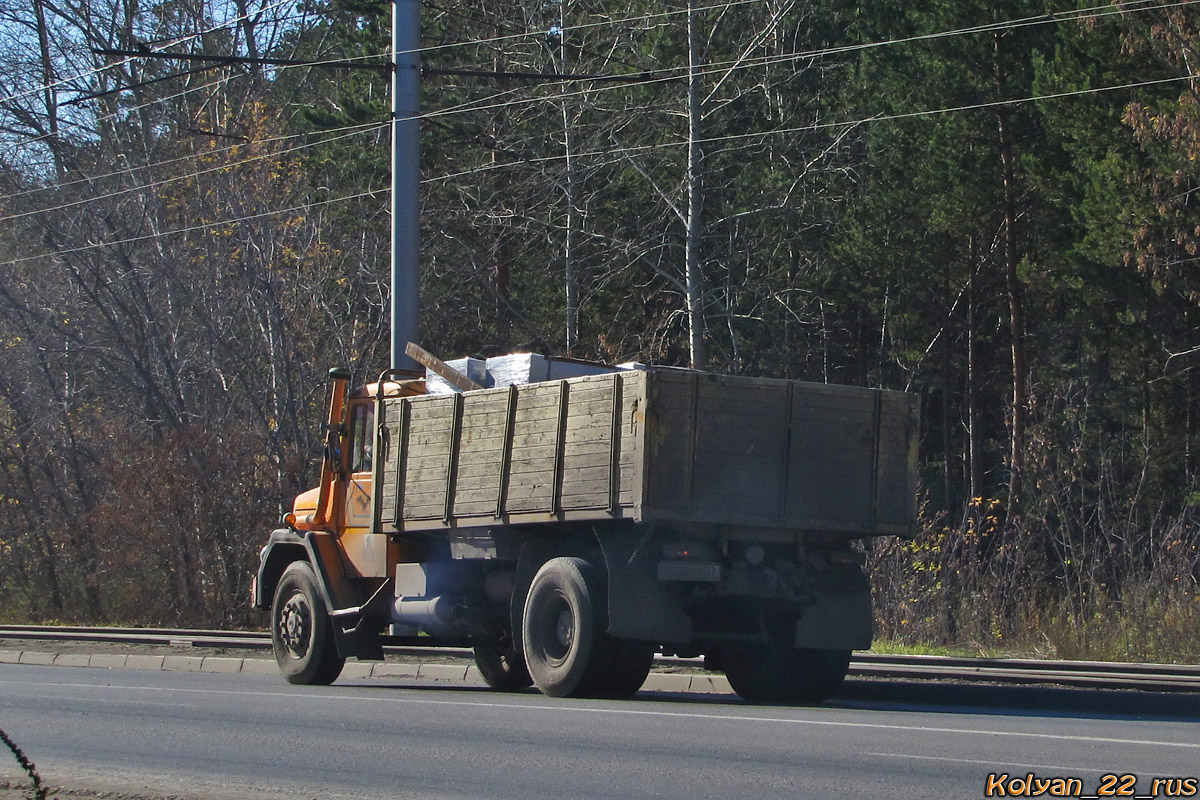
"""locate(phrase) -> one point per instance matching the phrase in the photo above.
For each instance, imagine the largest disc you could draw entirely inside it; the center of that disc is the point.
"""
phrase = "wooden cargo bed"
(660, 444)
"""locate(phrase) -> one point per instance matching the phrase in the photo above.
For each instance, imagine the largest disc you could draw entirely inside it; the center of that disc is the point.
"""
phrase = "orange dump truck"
(569, 529)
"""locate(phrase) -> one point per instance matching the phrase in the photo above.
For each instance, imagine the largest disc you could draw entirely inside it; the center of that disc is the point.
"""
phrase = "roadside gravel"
(11, 790)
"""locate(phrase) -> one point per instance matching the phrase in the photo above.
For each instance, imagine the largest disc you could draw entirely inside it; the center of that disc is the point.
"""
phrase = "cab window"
(362, 437)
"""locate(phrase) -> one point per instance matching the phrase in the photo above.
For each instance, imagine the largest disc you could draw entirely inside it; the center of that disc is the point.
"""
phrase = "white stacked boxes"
(516, 369)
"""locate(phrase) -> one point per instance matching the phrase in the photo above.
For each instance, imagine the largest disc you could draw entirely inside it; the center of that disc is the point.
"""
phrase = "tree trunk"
(1019, 410)
(944, 388)
(974, 460)
(49, 93)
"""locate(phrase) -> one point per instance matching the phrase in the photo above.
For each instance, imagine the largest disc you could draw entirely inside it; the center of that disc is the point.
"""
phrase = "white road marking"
(1051, 767)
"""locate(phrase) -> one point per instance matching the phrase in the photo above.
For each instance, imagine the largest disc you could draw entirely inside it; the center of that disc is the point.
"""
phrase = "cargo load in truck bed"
(650, 445)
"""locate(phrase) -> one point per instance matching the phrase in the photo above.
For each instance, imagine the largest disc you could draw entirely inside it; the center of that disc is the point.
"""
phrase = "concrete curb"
(354, 670)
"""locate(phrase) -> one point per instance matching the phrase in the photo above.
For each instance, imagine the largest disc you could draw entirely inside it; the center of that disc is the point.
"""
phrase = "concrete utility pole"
(406, 177)
(692, 267)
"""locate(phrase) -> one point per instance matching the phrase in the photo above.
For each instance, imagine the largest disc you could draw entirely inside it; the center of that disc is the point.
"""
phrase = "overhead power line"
(712, 68)
(192, 228)
(224, 167)
(626, 150)
(561, 29)
(191, 157)
(150, 82)
(1040, 19)
(1092, 12)
(385, 67)
(174, 42)
(381, 66)
(670, 74)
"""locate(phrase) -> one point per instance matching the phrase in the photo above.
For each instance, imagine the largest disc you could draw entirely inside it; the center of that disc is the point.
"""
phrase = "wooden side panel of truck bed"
(667, 445)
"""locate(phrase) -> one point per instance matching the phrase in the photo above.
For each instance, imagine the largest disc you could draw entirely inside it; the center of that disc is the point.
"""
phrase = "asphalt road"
(201, 735)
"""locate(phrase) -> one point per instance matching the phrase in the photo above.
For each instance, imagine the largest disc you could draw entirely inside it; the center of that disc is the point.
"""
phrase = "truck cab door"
(365, 554)
(359, 479)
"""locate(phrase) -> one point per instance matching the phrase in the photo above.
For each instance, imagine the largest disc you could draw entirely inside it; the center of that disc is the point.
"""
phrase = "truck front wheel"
(562, 626)
(301, 630)
(777, 673)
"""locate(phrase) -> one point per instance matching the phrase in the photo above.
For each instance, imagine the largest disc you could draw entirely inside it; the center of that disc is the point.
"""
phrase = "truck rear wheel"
(502, 667)
(301, 630)
(562, 629)
(777, 673)
(629, 663)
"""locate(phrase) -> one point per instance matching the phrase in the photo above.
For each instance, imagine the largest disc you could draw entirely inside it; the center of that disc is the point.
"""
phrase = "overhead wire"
(191, 175)
(581, 26)
(211, 84)
(1076, 14)
(672, 73)
(486, 104)
(625, 150)
(479, 18)
(425, 49)
(167, 162)
(185, 38)
(192, 228)
(1071, 15)
(1040, 19)
(176, 41)
(126, 110)
(322, 62)
(90, 124)
(712, 67)
(557, 30)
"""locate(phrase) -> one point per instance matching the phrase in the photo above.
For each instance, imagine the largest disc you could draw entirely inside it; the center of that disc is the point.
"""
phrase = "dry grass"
(1106, 595)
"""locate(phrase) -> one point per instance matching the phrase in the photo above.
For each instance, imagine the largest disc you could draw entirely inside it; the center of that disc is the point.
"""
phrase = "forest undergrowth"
(977, 588)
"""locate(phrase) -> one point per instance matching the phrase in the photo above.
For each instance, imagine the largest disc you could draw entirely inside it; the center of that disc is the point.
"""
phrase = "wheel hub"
(295, 626)
(565, 628)
(557, 625)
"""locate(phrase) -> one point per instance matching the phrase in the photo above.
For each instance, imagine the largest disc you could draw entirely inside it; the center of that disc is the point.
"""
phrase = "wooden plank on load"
(529, 498)
(483, 471)
(576, 436)
(448, 373)
(493, 416)
(465, 508)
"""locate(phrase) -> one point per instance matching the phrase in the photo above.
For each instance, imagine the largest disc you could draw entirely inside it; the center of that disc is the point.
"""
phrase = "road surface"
(210, 736)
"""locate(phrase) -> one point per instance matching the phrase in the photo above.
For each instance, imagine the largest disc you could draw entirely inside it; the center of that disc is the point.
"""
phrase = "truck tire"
(562, 629)
(502, 667)
(629, 663)
(301, 630)
(777, 673)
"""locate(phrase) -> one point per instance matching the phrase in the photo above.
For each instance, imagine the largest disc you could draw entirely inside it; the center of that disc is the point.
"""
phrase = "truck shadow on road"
(916, 697)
